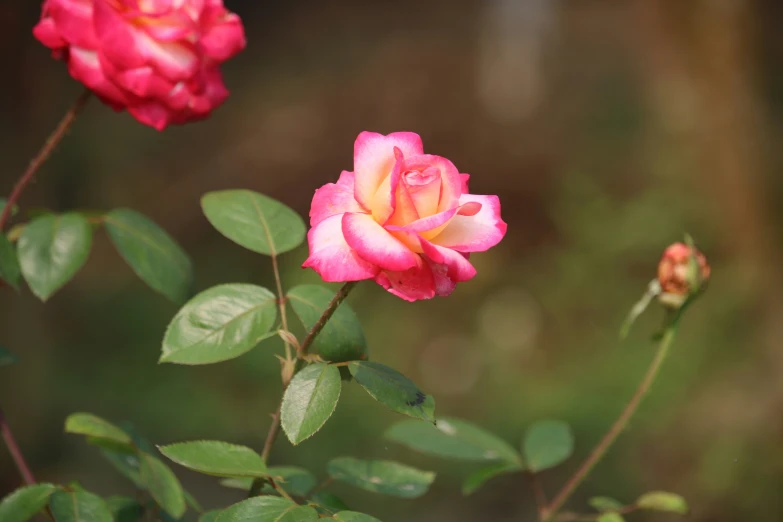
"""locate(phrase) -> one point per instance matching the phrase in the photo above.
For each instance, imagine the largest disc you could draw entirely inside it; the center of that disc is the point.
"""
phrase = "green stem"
(281, 305)
(274, 428)
(333, 304)
(619, 425)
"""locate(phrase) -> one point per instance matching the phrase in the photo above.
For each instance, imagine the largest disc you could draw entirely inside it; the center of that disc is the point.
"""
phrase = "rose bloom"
(158, 59)
(673, 273)
(403, 218)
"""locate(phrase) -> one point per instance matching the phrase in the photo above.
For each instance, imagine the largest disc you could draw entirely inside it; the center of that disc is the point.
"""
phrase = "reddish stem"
(16, 453)
(48, 147)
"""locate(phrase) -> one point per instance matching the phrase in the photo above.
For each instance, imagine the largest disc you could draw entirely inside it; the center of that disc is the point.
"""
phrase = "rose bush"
(402, 218)
(159, 59)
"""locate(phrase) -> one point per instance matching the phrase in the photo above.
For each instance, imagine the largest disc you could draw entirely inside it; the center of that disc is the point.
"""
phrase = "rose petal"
(384, 201)
(464, 178)
(175, 60)
(424, 188)
(412, 285)
(225, 39)
(151, 113)
(475, 233)
(46, 32)
(117, 38)
(73, 19)
(459, 269)
(451, 183)
(431, 226)
(214, 89)
(334, 198)
(85, 66)
(444, 285)
(373, 160)
(144, 82)
(427, 224)
(374, 244)
(404, 209)
(331, 257)
(469, 209)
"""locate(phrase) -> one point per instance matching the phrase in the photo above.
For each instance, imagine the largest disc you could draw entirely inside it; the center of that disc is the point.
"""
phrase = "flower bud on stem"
(682, 272)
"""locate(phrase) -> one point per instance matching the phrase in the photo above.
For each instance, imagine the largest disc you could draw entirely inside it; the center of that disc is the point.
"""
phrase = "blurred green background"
(608, 128)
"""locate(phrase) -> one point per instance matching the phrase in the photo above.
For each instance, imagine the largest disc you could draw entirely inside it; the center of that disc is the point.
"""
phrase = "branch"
(333, 304)
(619, 425)
(274, 428)
(16, 453)
(48, 147)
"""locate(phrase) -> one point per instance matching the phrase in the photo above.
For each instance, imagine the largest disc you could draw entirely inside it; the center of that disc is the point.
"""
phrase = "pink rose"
(158, 59)
(402, 218)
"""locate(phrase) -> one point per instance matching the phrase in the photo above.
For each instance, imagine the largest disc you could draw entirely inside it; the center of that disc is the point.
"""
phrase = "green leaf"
(125, 509)
(381, 476)
(127, 464)
(152, 254)
(605, 504)
(209, 516)
(162, 484)
(139, 440)
(92, 426)
(309, 401)
(353, 516)
(24, 503)
(79, 506)
(254, 221)
(394, 390)
(243, 483)
(51, 250)
(220, 459)
(477, 479)
(342, 338)
(7, 358)
(547, 443)
(267, 509)
(10, 272)
(328, 503)
(610, 517)
(453, 439)
(663, 501)
(300, 514)
(296, 481)
(218, 324)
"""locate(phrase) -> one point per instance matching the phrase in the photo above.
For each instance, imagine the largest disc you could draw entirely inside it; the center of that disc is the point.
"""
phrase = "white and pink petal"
(375, 244)
(331, 256)
(459, 269)
(334, 198)
(477, 232)
(374, 158)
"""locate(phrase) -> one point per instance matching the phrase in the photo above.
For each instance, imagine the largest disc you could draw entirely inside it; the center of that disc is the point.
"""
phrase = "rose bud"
(681, 272)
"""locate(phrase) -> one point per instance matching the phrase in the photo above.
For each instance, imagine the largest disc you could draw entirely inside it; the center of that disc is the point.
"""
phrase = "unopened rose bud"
(681, 272)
